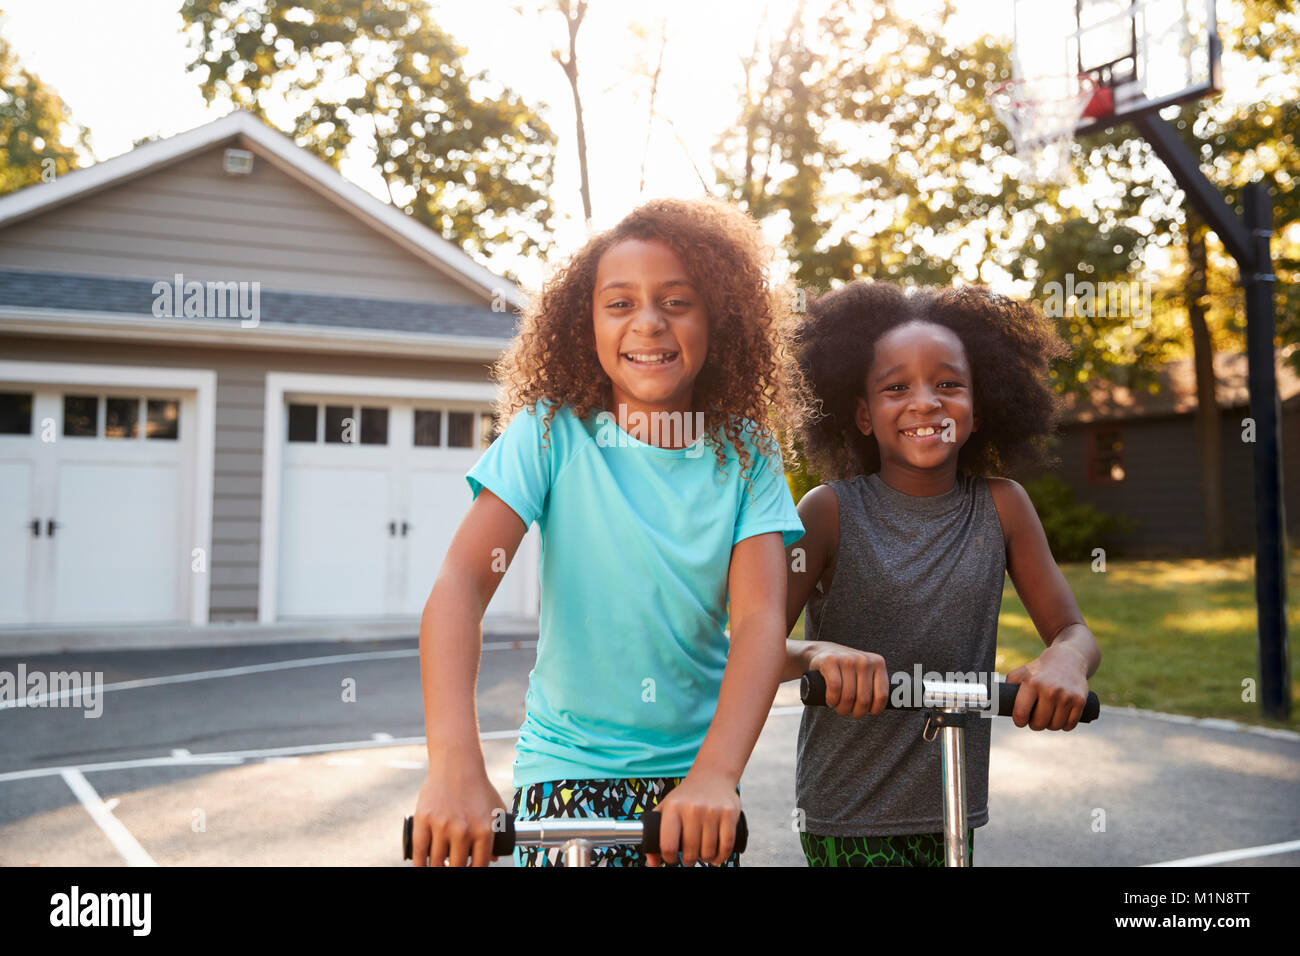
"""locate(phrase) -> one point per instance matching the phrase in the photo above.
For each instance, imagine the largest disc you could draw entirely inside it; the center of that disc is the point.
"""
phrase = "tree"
(458, 152)
(34, 124)
(1236, 146)
(573, 14)
(868, 129)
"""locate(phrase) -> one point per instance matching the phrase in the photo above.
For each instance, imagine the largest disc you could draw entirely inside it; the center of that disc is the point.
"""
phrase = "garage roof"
(62, 292)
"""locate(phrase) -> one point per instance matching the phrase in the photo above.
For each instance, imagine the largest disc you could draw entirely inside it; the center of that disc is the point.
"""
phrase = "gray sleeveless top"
(917, 581)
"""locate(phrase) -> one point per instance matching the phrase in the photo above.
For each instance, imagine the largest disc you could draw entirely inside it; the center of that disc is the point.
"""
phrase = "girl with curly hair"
(659, 340)
(924, 399)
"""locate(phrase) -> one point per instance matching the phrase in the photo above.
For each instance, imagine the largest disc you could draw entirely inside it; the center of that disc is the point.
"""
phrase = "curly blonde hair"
(749, 374)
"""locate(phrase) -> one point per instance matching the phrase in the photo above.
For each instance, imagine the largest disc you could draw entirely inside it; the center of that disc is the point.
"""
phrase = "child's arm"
(857, 682)
(1054, 686)
(699, 817)
(453, 815)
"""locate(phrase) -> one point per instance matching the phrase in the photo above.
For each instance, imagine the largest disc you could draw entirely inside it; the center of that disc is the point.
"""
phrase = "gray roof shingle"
(82, 293)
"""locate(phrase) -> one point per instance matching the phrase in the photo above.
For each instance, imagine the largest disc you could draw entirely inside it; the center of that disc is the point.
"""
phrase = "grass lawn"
(1175, 636)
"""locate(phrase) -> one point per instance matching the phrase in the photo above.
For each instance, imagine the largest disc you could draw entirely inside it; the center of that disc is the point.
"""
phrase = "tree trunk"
(573, 18)
(1209, 423)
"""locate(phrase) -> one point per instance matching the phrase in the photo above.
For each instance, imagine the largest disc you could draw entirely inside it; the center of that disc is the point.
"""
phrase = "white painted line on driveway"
(1228, 856)
(274, 754)
(119, 835)
(38, 700)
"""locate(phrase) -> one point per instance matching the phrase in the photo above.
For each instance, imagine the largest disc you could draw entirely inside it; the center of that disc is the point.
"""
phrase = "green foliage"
(797, 476)
(33, 124)
(869, 136)
(1073, 528)
(475, 161)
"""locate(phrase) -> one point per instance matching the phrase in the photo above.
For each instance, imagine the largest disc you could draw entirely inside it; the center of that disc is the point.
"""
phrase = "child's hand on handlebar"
(857, 682)
(699, 819)
(1053, 690)
(454, 816)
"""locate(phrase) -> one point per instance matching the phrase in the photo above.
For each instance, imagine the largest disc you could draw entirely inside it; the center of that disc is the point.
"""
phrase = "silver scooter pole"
(948, 704)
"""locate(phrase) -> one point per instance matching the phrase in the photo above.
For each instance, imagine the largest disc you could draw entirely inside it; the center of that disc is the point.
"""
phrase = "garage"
(371, 489)
(97, 500)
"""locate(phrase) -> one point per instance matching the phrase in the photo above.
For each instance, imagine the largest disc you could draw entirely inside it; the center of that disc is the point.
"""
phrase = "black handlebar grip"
(503, 841)
(1007, 701)
(651, 820)
(812, 689)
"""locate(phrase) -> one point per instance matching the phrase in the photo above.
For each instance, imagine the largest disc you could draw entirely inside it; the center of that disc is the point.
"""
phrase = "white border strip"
(1204, 723)
(203, 382)
(273, 438)
(118, 835)
(38, 700)
(1228, 856)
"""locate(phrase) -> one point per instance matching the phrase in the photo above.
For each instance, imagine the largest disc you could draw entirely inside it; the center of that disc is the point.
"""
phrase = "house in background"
(1134, 453)
(169, 458)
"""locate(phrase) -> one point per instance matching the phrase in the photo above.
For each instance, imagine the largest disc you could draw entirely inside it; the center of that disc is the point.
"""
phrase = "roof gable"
(244, 130)
(1175, 391)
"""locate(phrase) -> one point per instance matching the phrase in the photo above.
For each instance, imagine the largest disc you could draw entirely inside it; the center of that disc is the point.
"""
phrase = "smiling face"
(920, 406)
(652, 330)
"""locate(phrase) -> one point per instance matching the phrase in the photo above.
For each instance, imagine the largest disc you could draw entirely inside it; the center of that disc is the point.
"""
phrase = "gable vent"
(238, 162)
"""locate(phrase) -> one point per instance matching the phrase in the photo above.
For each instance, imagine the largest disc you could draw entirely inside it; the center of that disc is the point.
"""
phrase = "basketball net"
(1041, 114)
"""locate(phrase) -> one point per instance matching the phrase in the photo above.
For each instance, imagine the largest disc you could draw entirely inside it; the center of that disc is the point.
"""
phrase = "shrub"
(1073, 527)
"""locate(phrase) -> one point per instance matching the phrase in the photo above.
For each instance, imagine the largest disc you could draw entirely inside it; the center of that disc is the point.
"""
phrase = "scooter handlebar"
(812, 691)
(504, 840)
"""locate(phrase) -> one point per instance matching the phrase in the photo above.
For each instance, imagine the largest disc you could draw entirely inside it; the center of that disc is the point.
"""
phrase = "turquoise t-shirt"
(636, 545)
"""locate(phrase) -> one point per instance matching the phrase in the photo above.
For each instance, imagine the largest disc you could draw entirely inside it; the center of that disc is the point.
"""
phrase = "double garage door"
(96, 486)
(372, 491)
(105, 492)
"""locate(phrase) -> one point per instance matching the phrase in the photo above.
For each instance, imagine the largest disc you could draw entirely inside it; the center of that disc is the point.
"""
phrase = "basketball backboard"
(1133, 55)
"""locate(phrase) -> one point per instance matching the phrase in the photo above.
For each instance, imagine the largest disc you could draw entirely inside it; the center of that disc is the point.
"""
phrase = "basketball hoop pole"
(1248, 242)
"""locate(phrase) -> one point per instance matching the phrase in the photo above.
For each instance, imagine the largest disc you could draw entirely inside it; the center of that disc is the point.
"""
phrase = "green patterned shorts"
(919, 849)
(620, 799)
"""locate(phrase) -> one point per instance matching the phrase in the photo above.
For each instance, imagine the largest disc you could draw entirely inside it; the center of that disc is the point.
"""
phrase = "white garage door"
(372, 491)
(95, 492)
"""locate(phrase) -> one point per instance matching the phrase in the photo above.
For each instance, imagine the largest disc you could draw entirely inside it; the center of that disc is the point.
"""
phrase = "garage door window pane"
(374, 426)
(335, 416)
(121, 418)
(302, 422)
(15, 413)
(460, 429)
(164, 419)
(80, 416)
(428, 428)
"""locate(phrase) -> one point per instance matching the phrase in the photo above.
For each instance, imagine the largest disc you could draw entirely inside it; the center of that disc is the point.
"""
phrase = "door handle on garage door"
(405, 527)
(392, 529)
(50, 526)
(35, 525)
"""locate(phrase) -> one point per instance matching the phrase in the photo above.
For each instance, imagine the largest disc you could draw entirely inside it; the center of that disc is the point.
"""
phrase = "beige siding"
(194, 219)
(237, 480)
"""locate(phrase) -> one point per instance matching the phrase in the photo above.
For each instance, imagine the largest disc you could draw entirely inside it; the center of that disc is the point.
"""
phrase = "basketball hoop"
(1042, 114)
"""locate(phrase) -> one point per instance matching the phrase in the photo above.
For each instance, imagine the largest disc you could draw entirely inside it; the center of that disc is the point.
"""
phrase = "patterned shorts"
(920, 849)
(618, 799)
